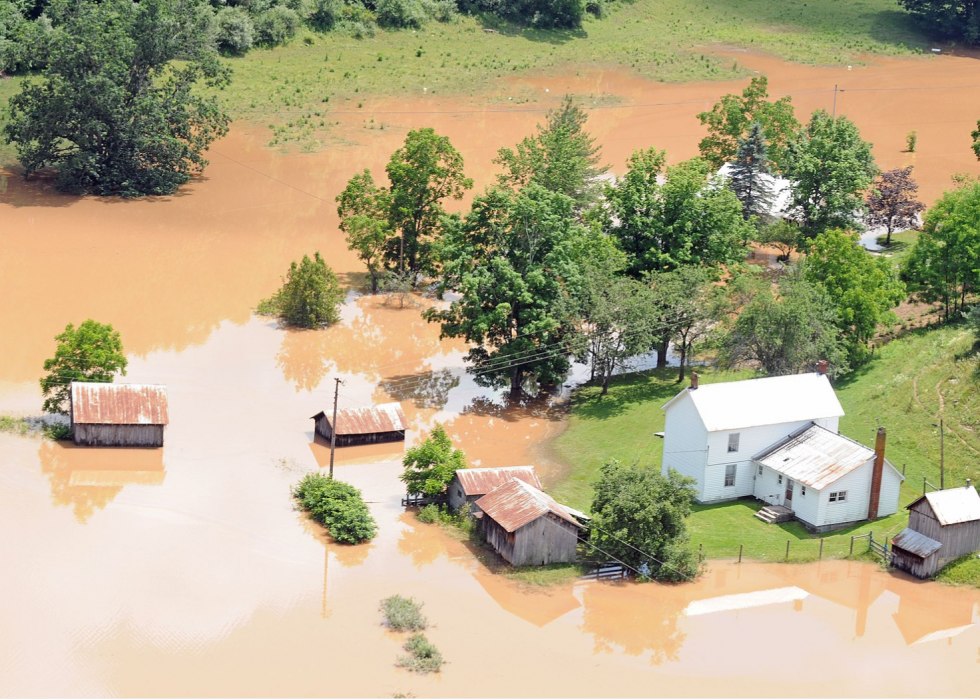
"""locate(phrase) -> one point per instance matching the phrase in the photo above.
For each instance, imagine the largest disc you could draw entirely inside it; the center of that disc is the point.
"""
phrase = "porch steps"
(774, 514)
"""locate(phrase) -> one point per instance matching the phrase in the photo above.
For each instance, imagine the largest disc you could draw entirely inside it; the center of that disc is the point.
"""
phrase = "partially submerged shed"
(369, 425)
(470, 484)
(118, 414)
(528, 527)
(943, 525)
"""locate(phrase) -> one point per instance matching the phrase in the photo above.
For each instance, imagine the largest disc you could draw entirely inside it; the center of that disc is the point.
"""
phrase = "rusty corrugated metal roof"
(815, 456)
(916, 543)
(516, 503)
(384, 417)
(953, 506)
(119, 404)
(480, 481)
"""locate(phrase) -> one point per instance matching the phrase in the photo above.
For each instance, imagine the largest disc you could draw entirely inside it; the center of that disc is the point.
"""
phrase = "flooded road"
(186, 570)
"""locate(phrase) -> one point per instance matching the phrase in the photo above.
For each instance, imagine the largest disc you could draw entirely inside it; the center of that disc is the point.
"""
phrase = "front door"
(788, 500)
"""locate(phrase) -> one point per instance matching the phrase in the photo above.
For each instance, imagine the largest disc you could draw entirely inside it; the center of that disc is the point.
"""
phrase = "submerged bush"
(424, 657)
(403, 614)
(310, 295)
(338, 506)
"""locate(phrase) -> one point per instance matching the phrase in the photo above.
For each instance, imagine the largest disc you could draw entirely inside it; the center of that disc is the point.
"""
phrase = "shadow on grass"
(625, 391)
(492, 24)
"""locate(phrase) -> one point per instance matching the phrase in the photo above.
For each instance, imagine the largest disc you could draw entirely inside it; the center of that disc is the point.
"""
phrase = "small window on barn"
(729, 475)
(733, 442)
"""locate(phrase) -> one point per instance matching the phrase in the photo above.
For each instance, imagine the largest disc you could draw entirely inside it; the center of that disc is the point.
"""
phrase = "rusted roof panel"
(119, 404)
(516, 503)
(384, 417)
(916, 543)
(953, 506)
(815, 456)
(480, 481)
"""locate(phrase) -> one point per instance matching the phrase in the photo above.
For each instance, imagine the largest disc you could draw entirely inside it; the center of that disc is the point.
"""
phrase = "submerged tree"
(310, 295)
(364, 211)
(92, 352)
(892, 204)
(119, 109)
(750, 176)
(431, 464)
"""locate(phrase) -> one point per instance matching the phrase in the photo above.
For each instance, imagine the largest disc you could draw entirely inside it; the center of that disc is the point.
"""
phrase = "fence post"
(821, 550)
(852, 547)
(871, 539)
(700, 548)
(740, 546)
(787, 549)
(923, 485)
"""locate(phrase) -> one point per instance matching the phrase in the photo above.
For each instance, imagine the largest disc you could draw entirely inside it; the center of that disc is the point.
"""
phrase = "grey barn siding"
(90, 435)
(956, 539)
(346, 440)
(547, 539)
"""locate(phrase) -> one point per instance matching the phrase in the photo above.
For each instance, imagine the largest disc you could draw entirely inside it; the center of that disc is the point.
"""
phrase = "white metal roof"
(955, 505)
(815, 456)
(769, 401)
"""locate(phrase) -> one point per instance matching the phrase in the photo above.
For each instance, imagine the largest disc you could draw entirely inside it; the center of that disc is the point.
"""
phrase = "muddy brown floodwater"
(186, 570)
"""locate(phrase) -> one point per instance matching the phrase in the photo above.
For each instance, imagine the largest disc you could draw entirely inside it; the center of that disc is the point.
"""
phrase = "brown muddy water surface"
(186, 570)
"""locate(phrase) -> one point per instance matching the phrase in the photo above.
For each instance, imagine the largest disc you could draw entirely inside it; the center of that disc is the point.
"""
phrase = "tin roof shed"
(916, 543)
(480, 481)
(953, 506)
(516, 503)
(118, 404)
(384, 417)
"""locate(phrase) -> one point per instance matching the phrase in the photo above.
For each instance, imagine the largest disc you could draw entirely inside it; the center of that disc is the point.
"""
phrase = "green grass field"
(906, 387)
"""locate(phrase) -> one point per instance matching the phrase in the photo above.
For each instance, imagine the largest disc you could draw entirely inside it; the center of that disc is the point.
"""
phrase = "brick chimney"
(822, 367)
(694, 380)
(879, 468)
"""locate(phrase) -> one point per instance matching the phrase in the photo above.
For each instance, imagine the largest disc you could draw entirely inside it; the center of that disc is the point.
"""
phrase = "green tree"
(830, 167)
(944, 263)
(639, 517)
(784, 332)
(864, 287)
(750, 176)
(310, 295)
(91, 353)
(892, 204)
(948, 19)
(782, 235)
(431, 464)
(731, 119)
(112, 112)
(688, 304)
(338, 506)
(513, 261)
(364, 210)
(975, 135)
(562, 157)
(687, 219)
(423, 172)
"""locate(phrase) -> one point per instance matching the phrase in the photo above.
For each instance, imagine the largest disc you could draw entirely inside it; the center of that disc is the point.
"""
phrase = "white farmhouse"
(776, 439)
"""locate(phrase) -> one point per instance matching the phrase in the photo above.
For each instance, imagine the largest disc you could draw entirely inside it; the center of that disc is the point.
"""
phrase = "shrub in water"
(424, 657)
(338, 506)
(403, 614)
(430, 514)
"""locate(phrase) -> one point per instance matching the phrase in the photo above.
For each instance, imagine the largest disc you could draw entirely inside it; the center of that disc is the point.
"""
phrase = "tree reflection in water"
(428, 390)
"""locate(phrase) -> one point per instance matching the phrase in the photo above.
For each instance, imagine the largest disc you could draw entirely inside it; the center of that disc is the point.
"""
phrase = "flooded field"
(187, 571)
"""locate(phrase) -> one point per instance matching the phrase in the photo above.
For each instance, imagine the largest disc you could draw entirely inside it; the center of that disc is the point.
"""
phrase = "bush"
(234, 30)
(395, 14)
(338, 506)
(310, 295)
(276, 26)
(911, 140)
(325, 14)
(441, 10)
(403, 614)
(430, 514)
(58, 430)
(424, 657)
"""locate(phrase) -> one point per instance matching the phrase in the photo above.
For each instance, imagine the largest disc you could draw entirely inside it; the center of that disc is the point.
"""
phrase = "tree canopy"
(92, 352)
(365, 216)
(750, 176)
(892, 204)
(310, 295)
(948, 19)
(431, 464)
(114, 111)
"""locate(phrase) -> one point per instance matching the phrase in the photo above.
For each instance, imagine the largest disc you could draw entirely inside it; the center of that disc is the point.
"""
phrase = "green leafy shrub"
(430, 514)
(397, 14)
(58, 430)
(338, 506)
(276, 26)
(234, 30)
(325, 14)
(310, 295)
(424, 657)
(403, 613)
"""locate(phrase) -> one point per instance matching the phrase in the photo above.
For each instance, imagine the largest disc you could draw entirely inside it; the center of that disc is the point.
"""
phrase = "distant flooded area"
(187, 571)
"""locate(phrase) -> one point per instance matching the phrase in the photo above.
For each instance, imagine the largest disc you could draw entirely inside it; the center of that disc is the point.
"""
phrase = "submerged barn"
(943, 525)
(527, 526)
(118, 414)
(470, 484)
(370, 425)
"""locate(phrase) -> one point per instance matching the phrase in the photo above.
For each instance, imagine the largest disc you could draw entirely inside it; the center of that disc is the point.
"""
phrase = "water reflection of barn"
(369, 425)
(118, 414)
(943, 525)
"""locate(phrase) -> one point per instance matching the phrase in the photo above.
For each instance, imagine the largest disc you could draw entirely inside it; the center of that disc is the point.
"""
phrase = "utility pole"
(942, 454)
(835, 102)
(333, 426)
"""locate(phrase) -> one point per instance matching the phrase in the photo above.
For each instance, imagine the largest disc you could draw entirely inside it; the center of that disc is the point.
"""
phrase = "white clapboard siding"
(684, 441)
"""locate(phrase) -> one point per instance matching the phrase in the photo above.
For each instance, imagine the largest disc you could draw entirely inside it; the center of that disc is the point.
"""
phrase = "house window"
(803, 490)
(779, 479)
(760, 469)
(730, 475)
(733, 442)
(838, 496)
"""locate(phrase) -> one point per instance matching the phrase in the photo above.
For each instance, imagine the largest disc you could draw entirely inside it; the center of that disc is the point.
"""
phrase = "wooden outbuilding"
(118, 414)
(526, 526)
(369, 425)
(943, 525)
(471, 484)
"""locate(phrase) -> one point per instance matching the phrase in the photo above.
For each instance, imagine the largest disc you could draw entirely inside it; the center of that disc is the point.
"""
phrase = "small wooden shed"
(368, 425)
(118, 414)
(471, 484)
(526, 526)
(943, 525)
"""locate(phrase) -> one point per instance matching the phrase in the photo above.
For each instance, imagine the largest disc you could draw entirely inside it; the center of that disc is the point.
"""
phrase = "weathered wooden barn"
(526, 526)
(471, 484)
(369, 425)
(118, 414)
(943, 525)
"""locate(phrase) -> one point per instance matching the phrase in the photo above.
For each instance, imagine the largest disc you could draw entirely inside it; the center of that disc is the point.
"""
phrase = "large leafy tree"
(892, 204)
(864, 287)
(513, 262)
(431, 464)
(750, 176)
(944, 263)
(688, 304)
(731, 119)
(115, 112)
(949, 19)
(310, 295)
(688, 218)
(92, 352)
(639, 517)
(562, 157)
(364, 209)
(830, 166)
